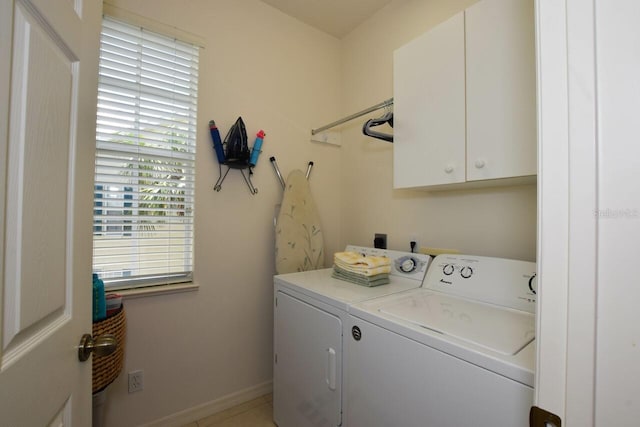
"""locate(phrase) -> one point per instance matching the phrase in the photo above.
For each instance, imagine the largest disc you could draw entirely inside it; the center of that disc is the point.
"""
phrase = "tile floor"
(255, 413)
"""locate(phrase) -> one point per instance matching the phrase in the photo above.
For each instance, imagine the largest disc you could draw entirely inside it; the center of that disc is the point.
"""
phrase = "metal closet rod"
(382, 104)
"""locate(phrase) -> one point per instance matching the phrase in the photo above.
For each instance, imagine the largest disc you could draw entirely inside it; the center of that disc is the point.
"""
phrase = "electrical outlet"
(380, 241)
(136, 381)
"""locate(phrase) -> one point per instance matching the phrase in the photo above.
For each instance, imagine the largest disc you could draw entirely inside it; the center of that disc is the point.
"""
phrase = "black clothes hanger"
(386, 118)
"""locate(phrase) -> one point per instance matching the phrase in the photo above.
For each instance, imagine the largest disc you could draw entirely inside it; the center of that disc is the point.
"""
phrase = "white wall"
(491, 222)
(281, 76)
(286, 77)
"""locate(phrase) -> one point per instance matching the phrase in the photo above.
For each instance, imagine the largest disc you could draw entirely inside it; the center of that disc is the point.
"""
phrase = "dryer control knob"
(466, 272)
(533, 284)
(448, 269)
(408, 265)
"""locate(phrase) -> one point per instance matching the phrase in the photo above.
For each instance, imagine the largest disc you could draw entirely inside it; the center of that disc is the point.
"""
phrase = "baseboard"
(195, 413)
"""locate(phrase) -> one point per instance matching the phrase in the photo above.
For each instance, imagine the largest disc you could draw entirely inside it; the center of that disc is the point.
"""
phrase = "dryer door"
(307, 375)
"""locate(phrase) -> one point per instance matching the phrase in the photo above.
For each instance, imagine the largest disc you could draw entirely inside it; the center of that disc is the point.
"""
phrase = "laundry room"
(207, 340)
(208, 346)
(214, 345)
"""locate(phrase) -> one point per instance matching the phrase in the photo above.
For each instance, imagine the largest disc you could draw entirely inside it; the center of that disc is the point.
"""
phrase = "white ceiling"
(335, 17)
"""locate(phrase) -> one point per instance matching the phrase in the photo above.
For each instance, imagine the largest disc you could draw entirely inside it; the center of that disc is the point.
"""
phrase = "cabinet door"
(501, 96)
(429, 112)
(307, 377)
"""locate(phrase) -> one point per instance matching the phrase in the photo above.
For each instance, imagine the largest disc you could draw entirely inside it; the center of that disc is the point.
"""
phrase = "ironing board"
(299, 241)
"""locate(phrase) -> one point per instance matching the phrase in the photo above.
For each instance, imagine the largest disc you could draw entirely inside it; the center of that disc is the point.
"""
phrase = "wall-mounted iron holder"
(241, 166)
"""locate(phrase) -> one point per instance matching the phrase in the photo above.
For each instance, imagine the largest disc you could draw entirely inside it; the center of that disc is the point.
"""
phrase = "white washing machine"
(459, 351)
(310, 313)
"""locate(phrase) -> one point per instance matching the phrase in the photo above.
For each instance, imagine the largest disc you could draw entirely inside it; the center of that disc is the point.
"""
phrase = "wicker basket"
(107, 368)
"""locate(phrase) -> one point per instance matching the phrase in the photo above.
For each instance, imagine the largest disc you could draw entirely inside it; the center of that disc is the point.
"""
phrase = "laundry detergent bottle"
(99, 300)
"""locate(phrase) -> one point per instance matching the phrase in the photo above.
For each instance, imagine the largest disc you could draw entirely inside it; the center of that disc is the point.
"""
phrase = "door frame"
(567, 205)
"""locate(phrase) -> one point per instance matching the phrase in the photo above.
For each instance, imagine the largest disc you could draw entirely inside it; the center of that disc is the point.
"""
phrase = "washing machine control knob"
(448, 269)
(533, 285)
(466, 272)
(408, 265)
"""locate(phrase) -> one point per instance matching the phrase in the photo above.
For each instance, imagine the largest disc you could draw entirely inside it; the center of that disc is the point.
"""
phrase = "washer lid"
(499, 329)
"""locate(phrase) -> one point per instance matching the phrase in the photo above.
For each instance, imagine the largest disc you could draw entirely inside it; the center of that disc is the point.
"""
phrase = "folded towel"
(362, 270)
(355, 258)
(365, 265)
(358, 276)
(370, 281)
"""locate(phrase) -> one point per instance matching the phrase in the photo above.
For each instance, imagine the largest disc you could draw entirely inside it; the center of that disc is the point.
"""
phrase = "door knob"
(103, 345)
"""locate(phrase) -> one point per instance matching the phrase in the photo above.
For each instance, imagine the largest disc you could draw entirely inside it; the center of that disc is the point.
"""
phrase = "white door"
(307, 374)
(589, 208)
(617, 400)
(567, 180)
(48, 75)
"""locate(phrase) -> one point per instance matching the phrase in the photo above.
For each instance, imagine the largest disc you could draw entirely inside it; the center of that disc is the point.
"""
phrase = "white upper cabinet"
(429, 117)
(501, 96)
(464, 100)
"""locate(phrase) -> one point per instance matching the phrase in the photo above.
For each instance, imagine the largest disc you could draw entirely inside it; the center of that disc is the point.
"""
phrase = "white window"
(145, 157)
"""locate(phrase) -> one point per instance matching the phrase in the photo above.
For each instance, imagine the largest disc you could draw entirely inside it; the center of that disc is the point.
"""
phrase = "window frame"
(142, 281)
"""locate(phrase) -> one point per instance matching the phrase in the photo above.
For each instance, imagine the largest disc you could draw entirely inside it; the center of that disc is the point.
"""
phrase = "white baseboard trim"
(203, 410)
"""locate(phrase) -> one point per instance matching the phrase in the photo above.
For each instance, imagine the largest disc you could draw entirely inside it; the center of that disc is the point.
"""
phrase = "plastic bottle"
(257, 145)
(217, 141)
(99, 301)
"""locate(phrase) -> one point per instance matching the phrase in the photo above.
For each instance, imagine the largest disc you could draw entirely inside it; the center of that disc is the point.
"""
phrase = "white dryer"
(310, 313)
(459, 351)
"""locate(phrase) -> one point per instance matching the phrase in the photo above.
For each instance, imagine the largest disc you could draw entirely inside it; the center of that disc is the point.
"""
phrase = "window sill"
(151, 291)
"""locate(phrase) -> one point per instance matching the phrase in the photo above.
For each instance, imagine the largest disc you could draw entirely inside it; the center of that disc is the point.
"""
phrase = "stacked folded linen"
(362, 270)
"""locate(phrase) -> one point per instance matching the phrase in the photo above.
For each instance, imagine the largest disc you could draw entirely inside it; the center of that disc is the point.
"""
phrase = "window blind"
(145, 157)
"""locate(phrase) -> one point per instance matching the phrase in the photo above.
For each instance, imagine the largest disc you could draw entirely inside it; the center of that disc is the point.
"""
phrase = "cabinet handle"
(331, 369)
(479, 164)
(448, 169)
